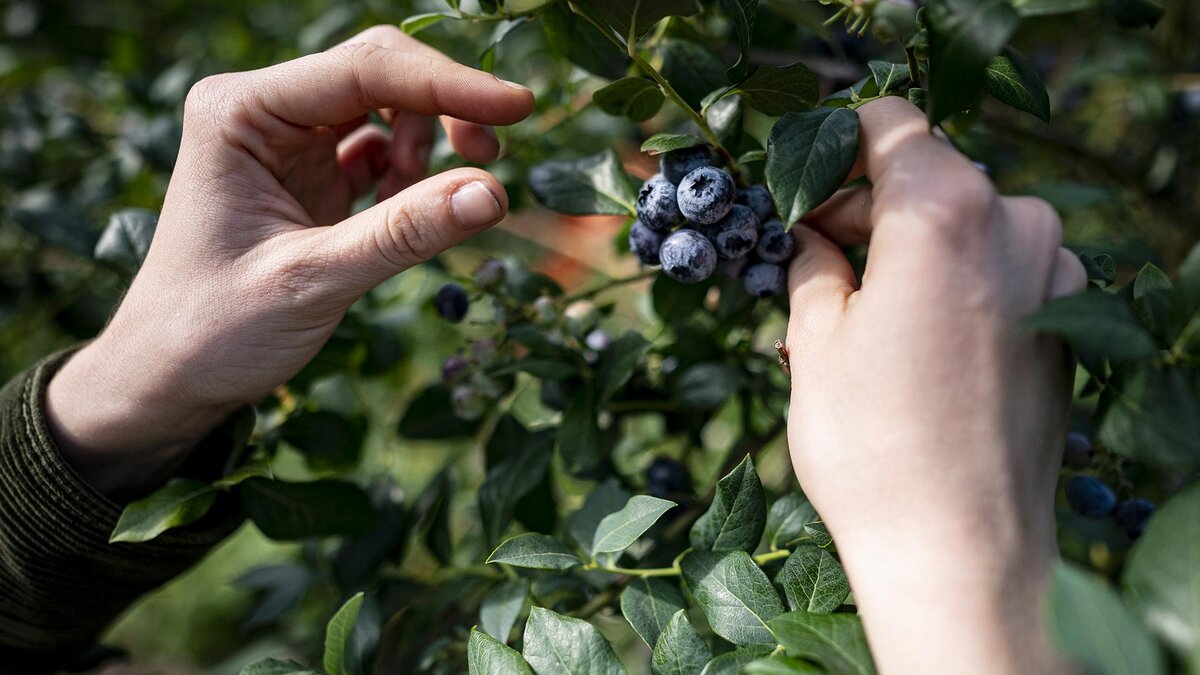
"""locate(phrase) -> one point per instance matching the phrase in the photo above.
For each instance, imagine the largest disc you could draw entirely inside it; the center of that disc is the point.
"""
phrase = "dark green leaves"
(1095, 323)
(1090, 625)
(779, 90)
(1011, 79)
(660, 143)
(499, 609)
(179, 502)
(588, 186)
(573, 38)
(1148, 413)
(707, 386)
(126, 239)
(737, 516)
(621, 15)
(734, 594)
(836, 641)
(579, 436)
(606, 498)
(619, 362)
(617, 531)
(431, 416)
(488, 656)
(284, 510)
(691, 68)
(1137, 13)
(526, 458)
(787, 518)
(964, 37)
(1163, 574)
(808, 157)
(535, 551)
(889, 77)
(680, 649)
(559, 645)
(648, 604)
(275, 667)
(813, 581)
(328, 441)
(633, 97)
(1047, 7)
(742, 14)
(339, 638)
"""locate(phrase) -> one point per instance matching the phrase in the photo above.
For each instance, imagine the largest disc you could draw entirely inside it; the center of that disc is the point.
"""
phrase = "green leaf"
(617, 531)
(691, 68)
(606, 498)
(526, 458)
(836, 641)
(648, 604)
(275, 667)
(1184, 308)
(737, 515)
(559, 645)
(660, 143)
(488, 656)
(126, 239)
(673, 302)
(487, 59)
(535, 551)
(1137, 13)
(1151, 297)
(592, 185)
(818, 533)
(1095, 323)
(1148, 413)
(707, 386)
(329, 442)
(633, 97)
(322, 508)
(499, 609)
(782, 664)
(621, 15)
(808, 157)
(1012, 80)
(419, 22)
(813, 581)
(571, 37)
(579, 438)
(1091, 625)
(731, 663)
(964, 37)
(179, 502)
(679, 649)
(1047, 7)
(889, 77)
(742, 14)
(734, 594)
(1163, 574)
(779, 90)
(725, 118)
(430, 416)
(618, 363)
(1101, 269)
(786, 519)
(339, 638)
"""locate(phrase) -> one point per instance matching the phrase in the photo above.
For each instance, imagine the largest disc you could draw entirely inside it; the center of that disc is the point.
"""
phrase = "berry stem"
(674, 570)
(611, 284)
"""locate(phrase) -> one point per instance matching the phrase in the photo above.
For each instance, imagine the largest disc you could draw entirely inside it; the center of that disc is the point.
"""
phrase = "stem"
(914, 68)
(675, 571)
(611, 284)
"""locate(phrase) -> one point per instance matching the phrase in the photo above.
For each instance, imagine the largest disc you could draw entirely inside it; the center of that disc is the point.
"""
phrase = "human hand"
(256, 257)
(926, 426)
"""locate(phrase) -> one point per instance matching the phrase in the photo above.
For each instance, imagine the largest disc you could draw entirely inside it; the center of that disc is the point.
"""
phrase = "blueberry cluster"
(1093, 498)
(691, 216)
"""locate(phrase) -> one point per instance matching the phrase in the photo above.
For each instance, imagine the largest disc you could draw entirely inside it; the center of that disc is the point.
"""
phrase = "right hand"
(926, 427)
(257, 258)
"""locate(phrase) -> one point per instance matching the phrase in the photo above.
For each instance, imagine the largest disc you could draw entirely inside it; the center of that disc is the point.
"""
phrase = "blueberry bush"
(487, 471)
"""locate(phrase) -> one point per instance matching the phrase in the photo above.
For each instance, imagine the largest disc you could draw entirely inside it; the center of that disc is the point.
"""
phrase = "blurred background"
(91, 93)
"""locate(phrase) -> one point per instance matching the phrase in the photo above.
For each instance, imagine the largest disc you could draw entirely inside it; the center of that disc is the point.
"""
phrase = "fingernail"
(474, 206)
(513, 85)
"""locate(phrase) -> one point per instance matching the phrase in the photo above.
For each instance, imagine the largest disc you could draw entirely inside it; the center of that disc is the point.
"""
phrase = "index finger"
(342, 84)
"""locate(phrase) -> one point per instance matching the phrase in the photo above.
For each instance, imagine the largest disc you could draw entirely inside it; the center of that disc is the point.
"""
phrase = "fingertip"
(473, 142)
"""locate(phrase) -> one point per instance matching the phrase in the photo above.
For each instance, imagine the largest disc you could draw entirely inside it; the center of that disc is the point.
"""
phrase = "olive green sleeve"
(61, 582)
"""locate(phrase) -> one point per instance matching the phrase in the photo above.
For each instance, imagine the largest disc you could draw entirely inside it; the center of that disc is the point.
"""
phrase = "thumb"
(820, 281)
(417, 224)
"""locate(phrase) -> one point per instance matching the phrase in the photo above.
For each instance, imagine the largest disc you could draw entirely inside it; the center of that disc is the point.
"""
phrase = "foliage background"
(90, 99)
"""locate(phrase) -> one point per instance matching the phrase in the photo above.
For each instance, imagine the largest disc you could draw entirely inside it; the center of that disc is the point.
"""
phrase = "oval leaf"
(535, 551)
(1091, 625)
(680, 649)
(836, 641)
(734, 594)
(322, 508)
(617, 531)
(633, 97)
(594, 185)
(813, 581)
(488, 656)
(179, 502)
(737, 516)
(339, 638)
(808, 157)
(559, 645)
(648, 604)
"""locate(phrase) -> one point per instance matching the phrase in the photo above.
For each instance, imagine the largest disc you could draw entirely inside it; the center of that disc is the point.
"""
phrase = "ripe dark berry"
(764, 280)
(688, 257)
(758, 199)
(1078, 452)
(676, 164)
(454, 369)
(645, 242)
(1089, 496)
(656, 205)
(1132, 516)
(666, 477)
(490, 273)
(775, 244)
(452, 302)
(705, 195)
(733, 269)
(736, 234)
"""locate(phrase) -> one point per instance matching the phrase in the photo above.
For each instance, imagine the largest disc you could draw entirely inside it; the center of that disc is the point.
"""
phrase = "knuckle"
(208, 95)
(401, 241)
(382, 34)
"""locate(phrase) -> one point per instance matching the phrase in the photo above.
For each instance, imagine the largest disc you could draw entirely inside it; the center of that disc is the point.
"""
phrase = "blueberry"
(666, 477)
(454, 369)
(688, 257)
(776, 244)
(468, 402)
(490, 273)
(1090, 496)
(597, 340)
(545, 311)
(452, 302)
(736, 234)
(678, 163)
(764, 280)
(656, 205)
(733, 269)
(758, 199)
(1078, 452)
(645, 242)
(705, 195)
(1133, 514)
